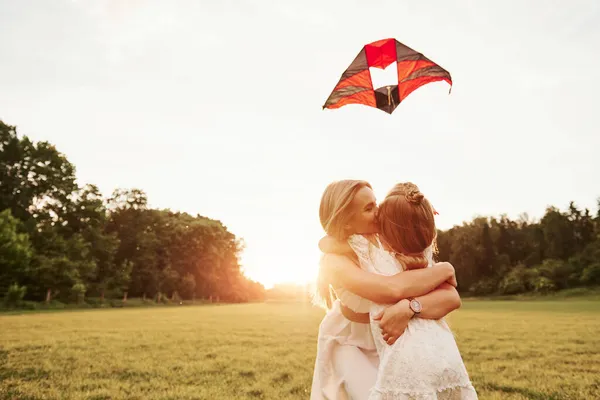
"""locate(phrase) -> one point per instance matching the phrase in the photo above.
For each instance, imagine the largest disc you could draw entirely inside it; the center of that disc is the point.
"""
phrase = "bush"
(78, 291)
(29, 305)
(512, 284)
(161, 298)
(53, 305)
(591, 274)
(117, 303)
(544, 285)
(96, 302)
(483, 287)
(15, 295)
(559, 272)
(520, 279)
(530, 277)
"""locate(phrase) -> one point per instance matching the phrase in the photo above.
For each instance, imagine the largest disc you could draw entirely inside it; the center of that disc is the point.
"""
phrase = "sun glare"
(271, 275)
(271, 271)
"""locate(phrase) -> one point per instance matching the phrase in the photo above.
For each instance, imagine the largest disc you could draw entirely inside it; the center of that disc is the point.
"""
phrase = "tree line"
(60, 241)
(499, 255)
(65, 242)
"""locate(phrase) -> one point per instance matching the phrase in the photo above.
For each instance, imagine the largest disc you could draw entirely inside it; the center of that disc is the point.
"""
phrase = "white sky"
(214, 107)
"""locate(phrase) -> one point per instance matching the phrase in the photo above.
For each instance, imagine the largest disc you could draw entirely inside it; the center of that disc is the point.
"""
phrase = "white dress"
(347, 361)
(424, 363)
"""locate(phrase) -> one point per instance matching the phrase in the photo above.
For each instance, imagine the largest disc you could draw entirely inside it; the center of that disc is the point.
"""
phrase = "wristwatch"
(415, 305)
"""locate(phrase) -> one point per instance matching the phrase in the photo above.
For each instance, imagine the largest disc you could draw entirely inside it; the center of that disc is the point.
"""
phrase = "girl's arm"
(439, 302)
(343, 272)
(435, 305)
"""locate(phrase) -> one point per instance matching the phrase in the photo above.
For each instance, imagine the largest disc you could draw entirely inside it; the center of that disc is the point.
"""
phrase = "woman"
(425, 363)
(347, 360)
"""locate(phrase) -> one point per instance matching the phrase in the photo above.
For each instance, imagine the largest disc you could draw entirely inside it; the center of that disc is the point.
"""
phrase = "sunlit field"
(513, 350)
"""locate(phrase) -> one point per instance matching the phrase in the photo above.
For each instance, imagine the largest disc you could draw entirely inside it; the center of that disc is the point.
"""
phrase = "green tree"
(489, 254)
(169, 281)
(134, 226)
(87, 215)
(60, 263)
(15, 294)
(36, 178)
(15, 251)
(558, 234)
(187, 286)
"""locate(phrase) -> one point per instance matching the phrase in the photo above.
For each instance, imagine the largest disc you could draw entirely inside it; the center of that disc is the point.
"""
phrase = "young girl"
(424, 363)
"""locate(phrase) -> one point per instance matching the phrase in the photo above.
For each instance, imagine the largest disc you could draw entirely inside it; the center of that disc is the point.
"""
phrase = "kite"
(414, 71)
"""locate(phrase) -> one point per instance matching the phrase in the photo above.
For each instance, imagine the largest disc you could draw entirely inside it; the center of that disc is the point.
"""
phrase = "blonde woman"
(425, 363)
(347, 361)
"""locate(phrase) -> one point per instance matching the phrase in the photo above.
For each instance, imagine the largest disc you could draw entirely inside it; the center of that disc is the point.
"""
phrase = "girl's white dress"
(424, 363)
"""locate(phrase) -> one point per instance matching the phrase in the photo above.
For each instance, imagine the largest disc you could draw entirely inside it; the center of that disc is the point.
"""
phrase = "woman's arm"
(384, 289)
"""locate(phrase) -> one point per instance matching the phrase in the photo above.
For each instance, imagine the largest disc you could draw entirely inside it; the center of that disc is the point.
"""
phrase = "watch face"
(415, 305)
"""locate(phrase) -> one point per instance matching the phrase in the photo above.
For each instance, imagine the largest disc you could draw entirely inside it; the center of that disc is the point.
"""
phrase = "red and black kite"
(414, 71)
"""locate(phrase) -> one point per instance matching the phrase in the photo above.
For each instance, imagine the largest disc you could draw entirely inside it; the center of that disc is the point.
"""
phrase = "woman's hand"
(329, 244)
(394, 320)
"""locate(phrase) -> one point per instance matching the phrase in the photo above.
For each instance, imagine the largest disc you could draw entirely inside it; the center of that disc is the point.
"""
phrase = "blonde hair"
(407, 225)
(334, 211)
(334, 214)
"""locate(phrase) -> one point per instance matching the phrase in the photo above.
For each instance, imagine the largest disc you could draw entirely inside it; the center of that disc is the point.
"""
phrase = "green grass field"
(513, 350)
